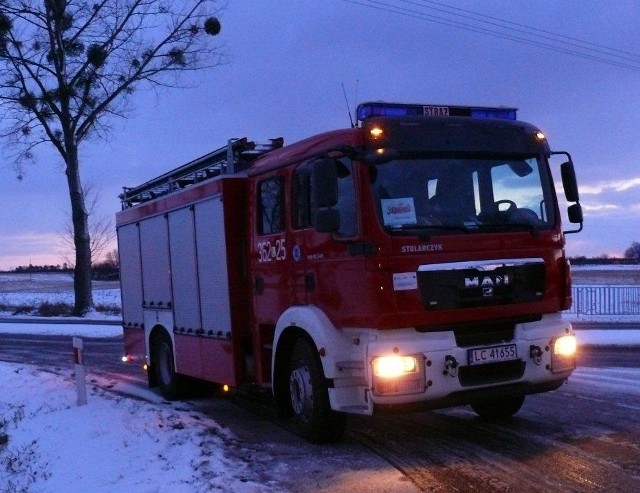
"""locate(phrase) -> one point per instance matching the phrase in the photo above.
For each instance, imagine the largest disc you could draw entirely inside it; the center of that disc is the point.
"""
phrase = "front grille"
(482, 333)
(484, 283)
(491, 373)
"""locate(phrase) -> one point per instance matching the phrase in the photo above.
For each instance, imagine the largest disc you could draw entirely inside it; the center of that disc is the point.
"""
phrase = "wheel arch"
(310, 322)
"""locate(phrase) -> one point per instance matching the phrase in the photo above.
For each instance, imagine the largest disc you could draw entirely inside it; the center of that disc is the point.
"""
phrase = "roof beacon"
(368, 110)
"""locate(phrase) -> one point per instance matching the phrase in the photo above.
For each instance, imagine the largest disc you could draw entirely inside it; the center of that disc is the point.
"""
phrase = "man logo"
(486, 281)
(487, 292)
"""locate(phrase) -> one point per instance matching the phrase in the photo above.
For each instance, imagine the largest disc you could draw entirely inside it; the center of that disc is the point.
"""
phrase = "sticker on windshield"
(396, 212)
(405, 281)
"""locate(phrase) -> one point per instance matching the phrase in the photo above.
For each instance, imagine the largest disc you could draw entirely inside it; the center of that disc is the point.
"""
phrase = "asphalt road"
(581, 438)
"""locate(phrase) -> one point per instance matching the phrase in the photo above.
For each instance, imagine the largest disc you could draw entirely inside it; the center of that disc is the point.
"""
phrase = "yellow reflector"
(394, 366)
(565, 346)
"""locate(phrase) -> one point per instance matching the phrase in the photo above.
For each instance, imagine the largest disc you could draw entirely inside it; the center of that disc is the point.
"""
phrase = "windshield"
(467, 195)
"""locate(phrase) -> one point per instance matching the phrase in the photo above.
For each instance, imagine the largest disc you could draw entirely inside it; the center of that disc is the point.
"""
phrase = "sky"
(286, 66)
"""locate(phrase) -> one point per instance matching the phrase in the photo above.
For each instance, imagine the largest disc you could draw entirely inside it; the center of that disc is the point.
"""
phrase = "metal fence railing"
(605, 300)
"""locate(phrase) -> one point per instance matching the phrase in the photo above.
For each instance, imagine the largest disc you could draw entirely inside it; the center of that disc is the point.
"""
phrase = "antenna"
(356, 105)
(348, 109)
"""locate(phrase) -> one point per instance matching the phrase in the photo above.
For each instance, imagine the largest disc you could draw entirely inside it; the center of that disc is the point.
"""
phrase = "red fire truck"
(413, 261)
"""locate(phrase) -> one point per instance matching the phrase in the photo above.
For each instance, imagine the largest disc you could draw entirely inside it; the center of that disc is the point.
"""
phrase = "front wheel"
(498, 408)
(308, 393)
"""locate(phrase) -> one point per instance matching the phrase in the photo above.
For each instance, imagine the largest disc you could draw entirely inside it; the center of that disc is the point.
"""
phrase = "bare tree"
(102, 230)
(67, 67)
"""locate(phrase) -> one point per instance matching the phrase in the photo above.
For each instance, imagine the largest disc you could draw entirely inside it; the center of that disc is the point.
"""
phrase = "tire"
(499, 408)
(163, 367)
(309, 397)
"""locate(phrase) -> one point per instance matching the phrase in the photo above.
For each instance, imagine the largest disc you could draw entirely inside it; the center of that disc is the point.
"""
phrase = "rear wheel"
(163, 366)
(309, 397)
(499, 408)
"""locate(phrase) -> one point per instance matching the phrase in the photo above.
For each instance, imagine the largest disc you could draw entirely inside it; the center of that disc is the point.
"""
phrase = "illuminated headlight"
(396, 375)
(394, 366)
(563, 353)
(565, 346)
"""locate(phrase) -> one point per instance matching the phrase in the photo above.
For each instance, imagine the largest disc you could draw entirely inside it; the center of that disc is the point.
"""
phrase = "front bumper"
(444, 376)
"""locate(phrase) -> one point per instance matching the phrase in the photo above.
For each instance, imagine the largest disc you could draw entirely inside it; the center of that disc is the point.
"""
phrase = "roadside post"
(81, 387)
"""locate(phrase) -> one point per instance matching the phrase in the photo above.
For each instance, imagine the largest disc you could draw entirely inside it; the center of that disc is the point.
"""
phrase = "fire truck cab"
(415, 261)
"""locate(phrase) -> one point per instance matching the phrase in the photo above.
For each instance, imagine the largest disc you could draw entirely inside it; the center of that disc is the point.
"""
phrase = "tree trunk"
(81, 237)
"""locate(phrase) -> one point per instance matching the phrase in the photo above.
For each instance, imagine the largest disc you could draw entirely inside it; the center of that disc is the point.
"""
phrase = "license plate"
(493, 354)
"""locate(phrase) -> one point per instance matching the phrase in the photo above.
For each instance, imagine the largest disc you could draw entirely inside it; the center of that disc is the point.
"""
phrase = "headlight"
(565, 346)
(394, 366)
(563, 354)
(397, 375)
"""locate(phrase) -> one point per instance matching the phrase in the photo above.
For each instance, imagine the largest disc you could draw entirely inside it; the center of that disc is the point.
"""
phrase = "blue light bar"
(372, 109)
(502, 113)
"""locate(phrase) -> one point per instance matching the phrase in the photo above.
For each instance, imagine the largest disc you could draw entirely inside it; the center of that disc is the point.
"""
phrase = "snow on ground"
(60, 329)
(131, 439)
(605, 267)
(113, 444)
(100, 297)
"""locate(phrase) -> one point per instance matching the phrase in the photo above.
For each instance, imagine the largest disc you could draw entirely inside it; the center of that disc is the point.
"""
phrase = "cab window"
(303, 208)
(271, 206)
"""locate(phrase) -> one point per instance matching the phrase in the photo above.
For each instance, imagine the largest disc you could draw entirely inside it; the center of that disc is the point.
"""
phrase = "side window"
(346, 198)
(271, 206)
(303, 208)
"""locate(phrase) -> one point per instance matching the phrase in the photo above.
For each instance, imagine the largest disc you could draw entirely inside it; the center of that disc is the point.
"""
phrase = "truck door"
(269, 260)
(324, 224)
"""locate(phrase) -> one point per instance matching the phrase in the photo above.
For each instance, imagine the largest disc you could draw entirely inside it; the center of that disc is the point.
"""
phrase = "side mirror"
(569, 182)
(325, 183)
(575, 213)
(575, 216)
(326, 221)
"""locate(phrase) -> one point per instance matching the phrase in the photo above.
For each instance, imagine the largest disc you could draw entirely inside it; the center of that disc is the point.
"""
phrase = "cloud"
(616, 186)
(600, 207)
(22, 249)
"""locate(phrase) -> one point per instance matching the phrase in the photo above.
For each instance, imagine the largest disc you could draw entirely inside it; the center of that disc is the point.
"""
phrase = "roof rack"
(236, 156)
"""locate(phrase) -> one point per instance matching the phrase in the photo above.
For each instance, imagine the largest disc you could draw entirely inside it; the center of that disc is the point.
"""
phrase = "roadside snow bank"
(113, 444)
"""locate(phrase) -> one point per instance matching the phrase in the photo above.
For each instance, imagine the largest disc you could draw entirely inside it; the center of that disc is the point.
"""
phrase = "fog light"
(394, 366)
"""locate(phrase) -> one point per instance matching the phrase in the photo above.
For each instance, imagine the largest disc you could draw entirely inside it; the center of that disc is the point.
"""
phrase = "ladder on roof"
(236, 156)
